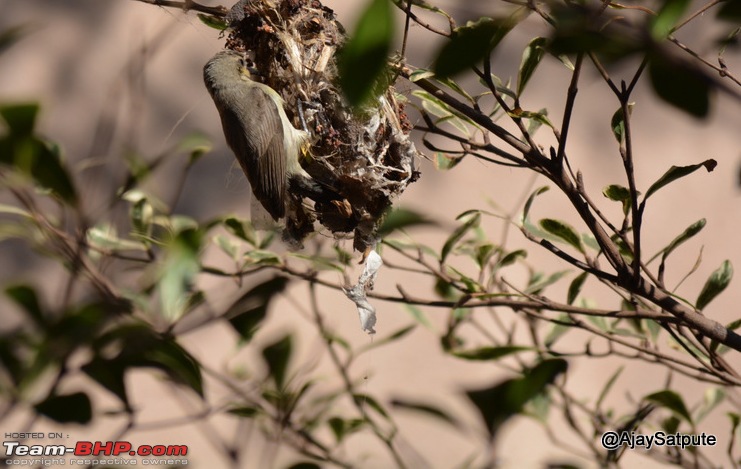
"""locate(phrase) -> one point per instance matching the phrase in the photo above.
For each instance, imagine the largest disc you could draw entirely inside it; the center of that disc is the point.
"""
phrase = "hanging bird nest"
(364, 158)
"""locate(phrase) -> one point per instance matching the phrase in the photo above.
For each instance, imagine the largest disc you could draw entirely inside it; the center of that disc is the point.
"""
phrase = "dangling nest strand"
(364, 159)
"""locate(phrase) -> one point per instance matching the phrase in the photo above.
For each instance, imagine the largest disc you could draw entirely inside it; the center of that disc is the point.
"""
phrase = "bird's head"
(230, 63)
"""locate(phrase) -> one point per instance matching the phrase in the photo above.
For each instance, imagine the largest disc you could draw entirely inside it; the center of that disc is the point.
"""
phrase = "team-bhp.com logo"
(88, 449)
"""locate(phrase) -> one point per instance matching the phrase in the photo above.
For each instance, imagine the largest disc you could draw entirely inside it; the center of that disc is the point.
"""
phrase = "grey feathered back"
(252, 127)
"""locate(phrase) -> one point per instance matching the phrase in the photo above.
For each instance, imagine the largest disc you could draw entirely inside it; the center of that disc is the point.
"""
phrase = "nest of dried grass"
(365, 158)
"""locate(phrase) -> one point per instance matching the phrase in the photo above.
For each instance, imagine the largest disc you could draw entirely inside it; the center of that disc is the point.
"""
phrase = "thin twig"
(569, 107)
(188, 5)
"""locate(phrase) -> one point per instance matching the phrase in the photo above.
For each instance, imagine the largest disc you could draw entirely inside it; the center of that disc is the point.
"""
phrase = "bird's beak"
(254, 73)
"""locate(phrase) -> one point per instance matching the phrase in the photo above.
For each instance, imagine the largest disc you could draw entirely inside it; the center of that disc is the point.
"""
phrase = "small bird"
(266, 144)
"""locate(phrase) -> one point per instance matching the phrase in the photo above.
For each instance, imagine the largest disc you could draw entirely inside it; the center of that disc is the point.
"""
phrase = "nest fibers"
(364, 159)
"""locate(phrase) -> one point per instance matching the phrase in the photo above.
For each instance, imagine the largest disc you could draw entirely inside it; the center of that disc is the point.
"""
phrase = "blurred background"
(122, 76)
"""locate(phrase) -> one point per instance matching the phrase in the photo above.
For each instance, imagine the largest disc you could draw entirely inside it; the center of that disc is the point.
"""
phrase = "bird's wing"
(257, 141)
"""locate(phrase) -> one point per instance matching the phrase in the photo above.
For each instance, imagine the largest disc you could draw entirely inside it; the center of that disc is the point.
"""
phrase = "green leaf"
(730, 39)
(167, 355)
(345, 258)
(26, 298)
(590, 242)
(426, 409)
(672, 401)
(246, 314)
(564, 231)
(735, 421)
(365, 399)
(484, 252)
(662, 25)
(564, 59)
(500, 87)
(733, 325)
(109, 373)
(538, 282)
(445, 290)
(343, 427)
(432, 104)
(320, 262)
(411, 247)
(67, 408)
(730, 11)
(10, 360)
(141, 213)
(618, 194)
(444, 162)
(688, 233)
(459, 124)
(653, 328)
(139, 170)
(304, 465)
(421, 74)
(711, 399)
(260, 257)
(138, 346)
(472, 286)
(471, 43)
(178, 272)
(15, 230)
(400, 219)
(104, 236)
(575, 287)
(177, 224)
(530, 59)
(557, 330)
(680, 85)
(417, 314)
(529, 202)
(20, 118)
(394, 336)
(670, 425)
(196, 145)
(228, 245)
(489, 353)
(715, 284)
(79, 326)
(13, 34)
(37, 158)
(576, 30)
(511, 258)
(446, 114)
(50, 173)
(213, 22)
(618, 123)
(241, 229)
(244, 411)
(450, 83)
(499, 403)
(539, 407)
(363, 59)
(536, 118)
(608, 385)
(12, 210)
(623, 247)
(678, 172)
(277, 356)
(458, 234)
(600, 323)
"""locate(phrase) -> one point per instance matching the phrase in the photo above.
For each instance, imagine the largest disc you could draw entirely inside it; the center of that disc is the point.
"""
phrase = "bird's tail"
(261, 219)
